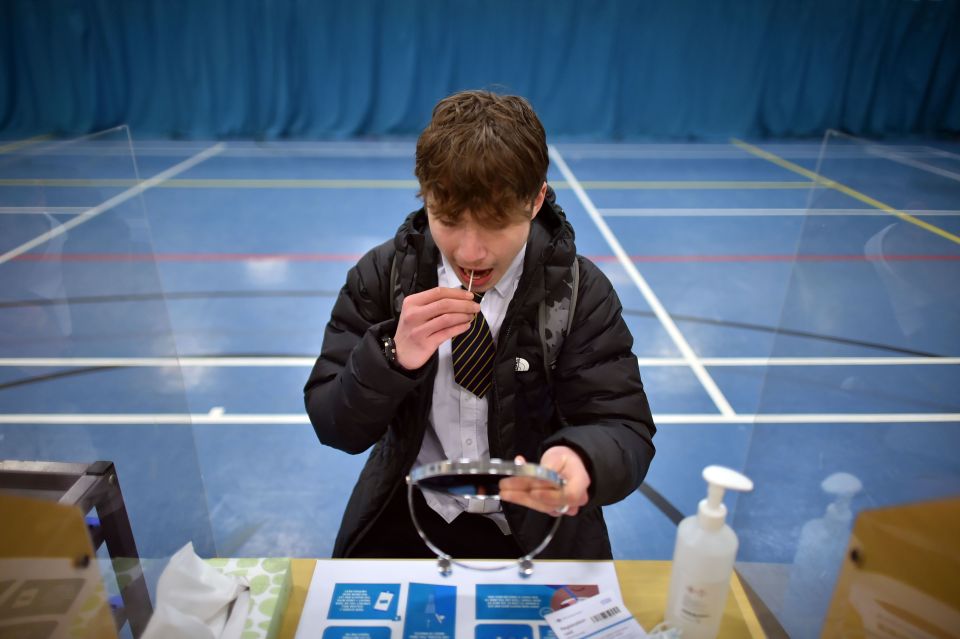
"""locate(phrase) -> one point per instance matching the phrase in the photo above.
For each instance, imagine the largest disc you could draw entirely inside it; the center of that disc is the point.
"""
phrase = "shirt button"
(469, 442)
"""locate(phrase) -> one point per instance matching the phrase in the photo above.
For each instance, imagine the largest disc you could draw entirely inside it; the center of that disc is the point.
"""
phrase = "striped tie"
(473, 353)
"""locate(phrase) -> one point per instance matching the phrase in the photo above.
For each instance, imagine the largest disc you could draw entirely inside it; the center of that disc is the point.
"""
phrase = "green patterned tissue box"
(270, 584)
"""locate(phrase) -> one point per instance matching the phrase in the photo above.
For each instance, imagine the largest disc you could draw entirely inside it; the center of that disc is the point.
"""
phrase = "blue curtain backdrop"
(594, 69)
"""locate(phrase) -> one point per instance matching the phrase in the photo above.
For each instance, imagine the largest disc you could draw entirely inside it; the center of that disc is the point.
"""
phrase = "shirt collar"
(504, 287)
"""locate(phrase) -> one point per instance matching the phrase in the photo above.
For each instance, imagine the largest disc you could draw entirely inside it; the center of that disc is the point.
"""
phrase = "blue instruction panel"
(407, 599)
(356, 632)
(546, 632)
(431, 612)
(364, 601)
(503, 631)
(527, 602)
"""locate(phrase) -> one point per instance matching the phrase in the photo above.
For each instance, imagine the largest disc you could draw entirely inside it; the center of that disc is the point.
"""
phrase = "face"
(487, 252)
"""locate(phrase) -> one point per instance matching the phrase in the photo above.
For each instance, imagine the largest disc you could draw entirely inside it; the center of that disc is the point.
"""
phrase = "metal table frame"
(91, 487)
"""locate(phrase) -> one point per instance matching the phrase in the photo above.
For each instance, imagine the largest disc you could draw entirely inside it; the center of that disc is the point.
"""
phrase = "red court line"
(352, 257)
(779, 258)
(189, 257)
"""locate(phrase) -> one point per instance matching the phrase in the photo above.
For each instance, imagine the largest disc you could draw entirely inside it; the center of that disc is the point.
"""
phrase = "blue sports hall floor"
(795, 308)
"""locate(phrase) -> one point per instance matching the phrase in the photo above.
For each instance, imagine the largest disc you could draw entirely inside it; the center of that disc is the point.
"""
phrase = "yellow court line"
(235, 183)
(846, 190)
(13, 146)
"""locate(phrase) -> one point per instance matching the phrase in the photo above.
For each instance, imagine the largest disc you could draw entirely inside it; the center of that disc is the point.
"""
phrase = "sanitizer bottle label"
(699, 599)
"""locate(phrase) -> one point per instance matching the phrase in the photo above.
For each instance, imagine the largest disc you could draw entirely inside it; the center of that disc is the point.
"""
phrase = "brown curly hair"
(484, 153)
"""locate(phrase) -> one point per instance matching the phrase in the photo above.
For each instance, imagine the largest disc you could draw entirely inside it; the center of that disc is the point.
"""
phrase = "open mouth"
(480, 277)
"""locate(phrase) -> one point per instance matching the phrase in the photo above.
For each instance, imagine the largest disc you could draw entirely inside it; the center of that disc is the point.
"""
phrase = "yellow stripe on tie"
(846, 190)
(483, 391)
(465, 343)
(19, 144)
(475, 367)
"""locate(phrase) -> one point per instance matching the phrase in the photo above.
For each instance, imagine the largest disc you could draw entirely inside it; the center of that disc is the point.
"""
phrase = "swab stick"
(470, 286)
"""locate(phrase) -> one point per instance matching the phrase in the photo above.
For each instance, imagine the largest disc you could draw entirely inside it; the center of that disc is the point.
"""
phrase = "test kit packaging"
(270, 583)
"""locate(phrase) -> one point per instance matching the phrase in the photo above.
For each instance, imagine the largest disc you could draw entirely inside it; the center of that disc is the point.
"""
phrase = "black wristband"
(390, 351)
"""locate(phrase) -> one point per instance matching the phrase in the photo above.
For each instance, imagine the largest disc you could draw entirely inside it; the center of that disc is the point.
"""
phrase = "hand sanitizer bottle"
(703, 559)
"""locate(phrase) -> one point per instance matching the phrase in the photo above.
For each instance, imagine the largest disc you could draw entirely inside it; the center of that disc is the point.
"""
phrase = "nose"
(472, 250)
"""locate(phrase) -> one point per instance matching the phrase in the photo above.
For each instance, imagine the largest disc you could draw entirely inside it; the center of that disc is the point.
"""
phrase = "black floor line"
(662, 503)
(777, 330)
(694, 319)
(148, 297)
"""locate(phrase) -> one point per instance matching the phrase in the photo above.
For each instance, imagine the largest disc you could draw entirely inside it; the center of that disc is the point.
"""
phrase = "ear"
(538, 201)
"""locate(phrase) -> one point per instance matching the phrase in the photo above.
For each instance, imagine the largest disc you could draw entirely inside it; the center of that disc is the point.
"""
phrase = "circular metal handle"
(477, 479)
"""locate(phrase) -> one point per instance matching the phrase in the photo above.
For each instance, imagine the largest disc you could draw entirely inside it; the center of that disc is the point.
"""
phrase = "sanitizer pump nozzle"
(712, 512)
(703, 559)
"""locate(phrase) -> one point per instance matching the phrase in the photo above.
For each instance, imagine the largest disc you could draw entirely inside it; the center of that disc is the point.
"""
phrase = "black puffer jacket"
(595, 403)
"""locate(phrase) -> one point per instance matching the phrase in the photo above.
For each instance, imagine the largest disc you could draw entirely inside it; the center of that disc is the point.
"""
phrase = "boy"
(423, 370)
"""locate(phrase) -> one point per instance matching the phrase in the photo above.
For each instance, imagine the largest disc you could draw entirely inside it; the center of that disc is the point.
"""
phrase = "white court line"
(810, 418)
(691, 358)
(120, 198)
(942, 153)
(301, 362)
(829, 361)
(714, 151)
(41, 210)
(372, 153)
(358, 150)
(642, 212)
(650, 362)
(271, 419)
(135, 362)
(899, 158)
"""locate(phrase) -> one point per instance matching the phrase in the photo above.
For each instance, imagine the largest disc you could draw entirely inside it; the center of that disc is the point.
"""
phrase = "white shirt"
(458, 418)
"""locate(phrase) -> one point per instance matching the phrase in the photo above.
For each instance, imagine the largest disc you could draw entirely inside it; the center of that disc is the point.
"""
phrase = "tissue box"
(270, 584)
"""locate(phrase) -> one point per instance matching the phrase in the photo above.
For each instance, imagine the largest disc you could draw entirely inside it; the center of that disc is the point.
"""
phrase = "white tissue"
(194, 600)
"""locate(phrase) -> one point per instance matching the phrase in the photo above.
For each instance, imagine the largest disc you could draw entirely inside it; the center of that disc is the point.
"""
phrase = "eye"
(438, 219)
(443, 221)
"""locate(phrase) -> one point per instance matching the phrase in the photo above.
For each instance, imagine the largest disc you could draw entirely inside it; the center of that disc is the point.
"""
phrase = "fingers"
(442, 322)
(549, 502)
(434, 294)
(438, 315)
(440, 329)
(422, 308)
(567, 463)
(545, 496)
(448, 333)
(442, 307)
(429, 318)
(539, 494)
